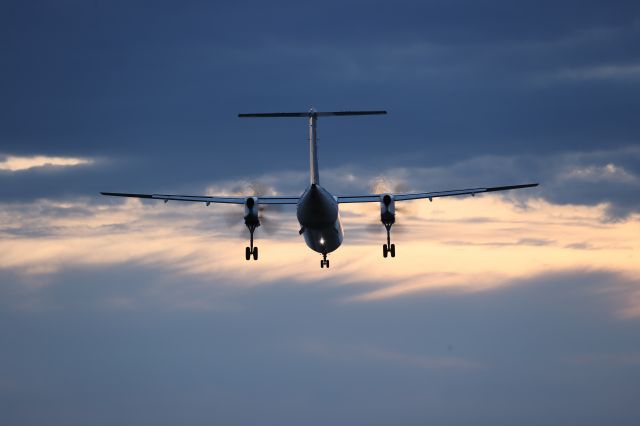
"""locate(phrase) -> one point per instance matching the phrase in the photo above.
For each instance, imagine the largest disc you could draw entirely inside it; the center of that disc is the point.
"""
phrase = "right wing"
(205, 198)
(371, 198)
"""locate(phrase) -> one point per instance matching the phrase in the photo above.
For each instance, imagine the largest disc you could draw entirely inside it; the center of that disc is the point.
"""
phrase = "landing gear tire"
(392, 250)
(385, 250)
(248, 252)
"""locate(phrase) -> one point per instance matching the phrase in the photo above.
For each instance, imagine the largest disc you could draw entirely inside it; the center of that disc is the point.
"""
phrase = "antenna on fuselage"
(312, 115)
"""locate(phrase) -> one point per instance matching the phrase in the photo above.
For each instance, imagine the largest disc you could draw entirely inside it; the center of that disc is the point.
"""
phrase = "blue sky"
(498, 309)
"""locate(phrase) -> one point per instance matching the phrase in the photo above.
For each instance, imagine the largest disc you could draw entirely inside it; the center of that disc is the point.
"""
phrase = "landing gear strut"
(251, 251)
(388, 248)
(324, 262)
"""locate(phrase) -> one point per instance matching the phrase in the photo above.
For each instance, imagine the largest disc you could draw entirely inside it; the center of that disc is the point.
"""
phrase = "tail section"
(313, 150)
(312, 115)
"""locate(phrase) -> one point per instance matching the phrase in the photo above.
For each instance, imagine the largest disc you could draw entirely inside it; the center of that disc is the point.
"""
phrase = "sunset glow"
(469, 245)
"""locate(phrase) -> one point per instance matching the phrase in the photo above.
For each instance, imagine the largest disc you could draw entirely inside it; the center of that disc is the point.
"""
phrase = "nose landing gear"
(324, 262)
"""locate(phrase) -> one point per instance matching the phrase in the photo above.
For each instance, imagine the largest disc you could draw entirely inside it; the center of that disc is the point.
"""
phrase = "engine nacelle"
(387, 209)
(251, 211)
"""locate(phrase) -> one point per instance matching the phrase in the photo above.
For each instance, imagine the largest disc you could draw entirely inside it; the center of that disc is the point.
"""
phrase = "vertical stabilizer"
(313, 150)
(313, 128)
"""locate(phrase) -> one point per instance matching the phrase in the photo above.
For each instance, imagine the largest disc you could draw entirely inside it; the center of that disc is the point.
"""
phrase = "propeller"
(382, 185)
(233, 217)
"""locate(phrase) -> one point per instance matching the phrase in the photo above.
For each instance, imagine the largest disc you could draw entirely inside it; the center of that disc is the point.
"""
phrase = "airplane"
(317, 209)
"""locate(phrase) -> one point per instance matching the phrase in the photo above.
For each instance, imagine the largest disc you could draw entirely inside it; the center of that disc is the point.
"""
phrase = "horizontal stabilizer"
(311, 114)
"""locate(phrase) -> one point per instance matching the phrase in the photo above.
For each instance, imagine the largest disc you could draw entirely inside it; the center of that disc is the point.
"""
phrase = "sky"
(522, 307)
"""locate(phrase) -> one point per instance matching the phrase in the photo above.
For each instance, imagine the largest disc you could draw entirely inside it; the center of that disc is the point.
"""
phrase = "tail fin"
(312, 115)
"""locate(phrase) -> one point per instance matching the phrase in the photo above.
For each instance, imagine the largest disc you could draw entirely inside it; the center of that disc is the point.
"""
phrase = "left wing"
(205, 199)
(371, 198)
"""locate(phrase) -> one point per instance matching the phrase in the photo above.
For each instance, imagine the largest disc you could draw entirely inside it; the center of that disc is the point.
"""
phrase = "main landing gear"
(251, 251)
(388, 248)
(324, 262)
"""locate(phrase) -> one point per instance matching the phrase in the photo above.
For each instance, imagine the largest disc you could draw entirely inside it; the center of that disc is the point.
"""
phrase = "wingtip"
(124, 194)
(507, 188)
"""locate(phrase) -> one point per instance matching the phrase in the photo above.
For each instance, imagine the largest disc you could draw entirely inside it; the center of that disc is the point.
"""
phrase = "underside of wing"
(205, 198)
(371, 198)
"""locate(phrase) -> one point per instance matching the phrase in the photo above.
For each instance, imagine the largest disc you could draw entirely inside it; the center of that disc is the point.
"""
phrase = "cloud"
(595, 174)
(466, 245)
(594, 73)
(582, 214)
(288, 352)
(131, 312)
(15, 163)
(604, 177)
(454, 76)
(611, 359)
(355, 353)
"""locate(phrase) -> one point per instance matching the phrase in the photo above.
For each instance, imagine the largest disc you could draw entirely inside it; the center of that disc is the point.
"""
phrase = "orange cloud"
(460, 244)
(14, 163)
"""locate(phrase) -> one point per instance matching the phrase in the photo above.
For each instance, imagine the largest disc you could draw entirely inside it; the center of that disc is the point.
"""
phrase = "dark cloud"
(609, 177)
(163, 84)
(136, 345)
(580, 246)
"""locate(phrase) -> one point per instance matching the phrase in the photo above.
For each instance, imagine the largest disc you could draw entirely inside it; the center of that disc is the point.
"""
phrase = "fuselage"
(319, 219)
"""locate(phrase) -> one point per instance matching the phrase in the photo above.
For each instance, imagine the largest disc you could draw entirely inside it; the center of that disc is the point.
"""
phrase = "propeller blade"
(381, 185)
(258, 189)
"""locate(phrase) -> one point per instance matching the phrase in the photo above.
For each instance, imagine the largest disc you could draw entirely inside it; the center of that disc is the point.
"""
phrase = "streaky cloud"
(15, 163)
